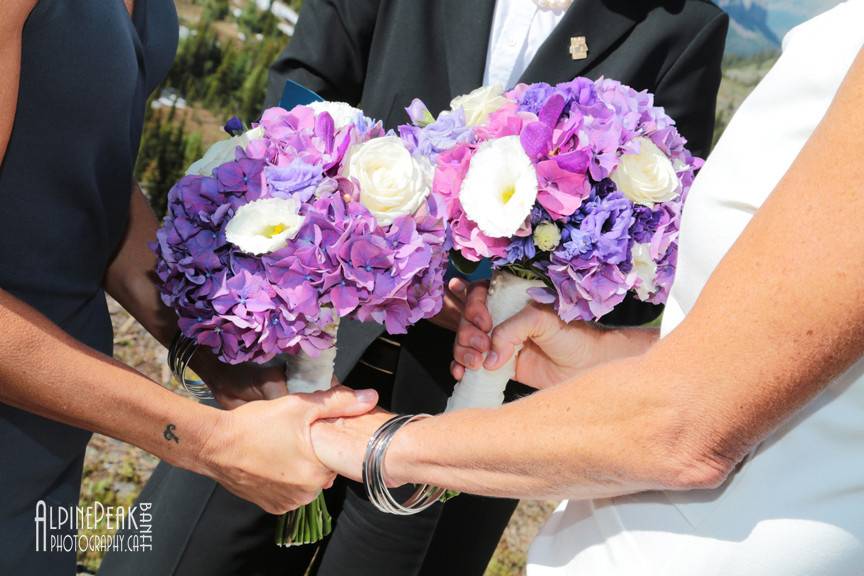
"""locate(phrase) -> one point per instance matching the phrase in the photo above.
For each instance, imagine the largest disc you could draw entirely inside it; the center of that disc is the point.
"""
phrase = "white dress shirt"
(796, 506)
(519, 28)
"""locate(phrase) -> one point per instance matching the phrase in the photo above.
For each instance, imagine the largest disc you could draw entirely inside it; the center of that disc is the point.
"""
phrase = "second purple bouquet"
(574, 192)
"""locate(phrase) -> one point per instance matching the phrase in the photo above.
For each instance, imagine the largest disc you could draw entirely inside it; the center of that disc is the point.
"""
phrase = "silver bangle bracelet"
(373, 477)
(180, 354)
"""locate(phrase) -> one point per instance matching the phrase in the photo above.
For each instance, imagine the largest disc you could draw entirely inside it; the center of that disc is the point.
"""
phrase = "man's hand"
(262, 451)
(233, 386)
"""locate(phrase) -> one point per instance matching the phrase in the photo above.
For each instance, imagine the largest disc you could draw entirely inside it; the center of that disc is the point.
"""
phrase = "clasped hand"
(280, 454)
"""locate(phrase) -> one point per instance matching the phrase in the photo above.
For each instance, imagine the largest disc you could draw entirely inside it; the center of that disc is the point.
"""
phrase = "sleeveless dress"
(86, 72)
(796, 506)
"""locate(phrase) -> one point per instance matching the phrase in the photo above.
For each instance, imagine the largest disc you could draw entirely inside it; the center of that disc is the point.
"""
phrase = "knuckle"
(305, 497)
(463, 338)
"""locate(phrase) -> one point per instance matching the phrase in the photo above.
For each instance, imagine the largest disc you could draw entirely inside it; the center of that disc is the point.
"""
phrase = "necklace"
(554, 5)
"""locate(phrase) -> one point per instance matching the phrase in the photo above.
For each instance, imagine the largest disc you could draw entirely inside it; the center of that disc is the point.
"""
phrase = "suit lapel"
(602, 22)
(467, 25)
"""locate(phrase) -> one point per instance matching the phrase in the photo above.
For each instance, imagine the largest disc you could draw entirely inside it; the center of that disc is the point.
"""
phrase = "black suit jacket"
(380, 54)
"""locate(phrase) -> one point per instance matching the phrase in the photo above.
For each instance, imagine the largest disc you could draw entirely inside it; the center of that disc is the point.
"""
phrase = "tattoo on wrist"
(169, 434)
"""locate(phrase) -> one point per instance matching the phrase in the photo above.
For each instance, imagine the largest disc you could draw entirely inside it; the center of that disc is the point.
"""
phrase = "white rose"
(343, 114)
(480, 103)
(223, 152)
(264, 226)
(392, 182)
(547, 236)
(645, 270)
(500, 187)
(648, 177)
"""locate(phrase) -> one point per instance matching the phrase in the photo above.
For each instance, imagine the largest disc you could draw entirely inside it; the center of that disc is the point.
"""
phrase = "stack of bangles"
(179, 356)
(373, 477)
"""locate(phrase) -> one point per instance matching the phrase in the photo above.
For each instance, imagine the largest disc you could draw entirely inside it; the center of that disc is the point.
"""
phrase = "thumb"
(342, 402)
(459, 288)
(509, 336)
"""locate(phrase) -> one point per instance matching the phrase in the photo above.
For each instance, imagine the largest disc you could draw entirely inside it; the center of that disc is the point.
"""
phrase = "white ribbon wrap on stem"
(508, 295)
(305, 374)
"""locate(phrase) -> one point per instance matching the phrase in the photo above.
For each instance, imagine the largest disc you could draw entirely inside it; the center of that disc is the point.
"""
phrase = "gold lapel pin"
(579, 48)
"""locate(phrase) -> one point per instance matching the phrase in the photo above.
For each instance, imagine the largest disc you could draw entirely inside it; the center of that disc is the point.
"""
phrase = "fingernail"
(366, 396)
(477, 342)
(470, 359)
(491, 359)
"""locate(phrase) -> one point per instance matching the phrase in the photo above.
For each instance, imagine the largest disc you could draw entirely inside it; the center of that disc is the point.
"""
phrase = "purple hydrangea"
(248, 308)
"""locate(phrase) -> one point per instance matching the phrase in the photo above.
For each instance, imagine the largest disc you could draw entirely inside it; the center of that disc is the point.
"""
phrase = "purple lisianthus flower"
(646, 222)
(607, 222)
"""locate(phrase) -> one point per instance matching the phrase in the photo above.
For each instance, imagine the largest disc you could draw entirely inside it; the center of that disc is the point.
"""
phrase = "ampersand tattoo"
(169, 434)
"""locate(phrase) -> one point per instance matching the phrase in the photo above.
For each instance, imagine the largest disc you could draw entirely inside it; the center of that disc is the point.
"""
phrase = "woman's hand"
(551, 351)
(340, 443)
(262, 451)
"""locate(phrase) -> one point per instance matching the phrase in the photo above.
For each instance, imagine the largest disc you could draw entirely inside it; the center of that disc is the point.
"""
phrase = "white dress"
(796, 507)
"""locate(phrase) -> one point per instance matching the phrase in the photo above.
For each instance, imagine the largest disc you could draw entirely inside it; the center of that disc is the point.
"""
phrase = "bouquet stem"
(311, 523)
(306, 525)
(508, 295)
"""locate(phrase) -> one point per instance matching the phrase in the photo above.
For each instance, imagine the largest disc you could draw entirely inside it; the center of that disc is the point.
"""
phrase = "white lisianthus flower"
(480, 103)
(223, 152)
(500, 187)
(547, 236)
(264, 226)
(645, 270)
(392, 182)
(343, 114)
(647, 178)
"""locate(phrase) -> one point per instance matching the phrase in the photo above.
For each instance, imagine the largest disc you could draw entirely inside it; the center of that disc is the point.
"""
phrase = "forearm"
(44, 371)
(131, 277)
(749, 355)
(614, 431)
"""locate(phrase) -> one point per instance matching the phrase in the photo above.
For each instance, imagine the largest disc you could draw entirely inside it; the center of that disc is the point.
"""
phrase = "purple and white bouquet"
(313, 215)
(574, 192)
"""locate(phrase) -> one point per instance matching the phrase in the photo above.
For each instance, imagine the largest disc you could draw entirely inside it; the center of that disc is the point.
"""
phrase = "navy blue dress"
(87, 70)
